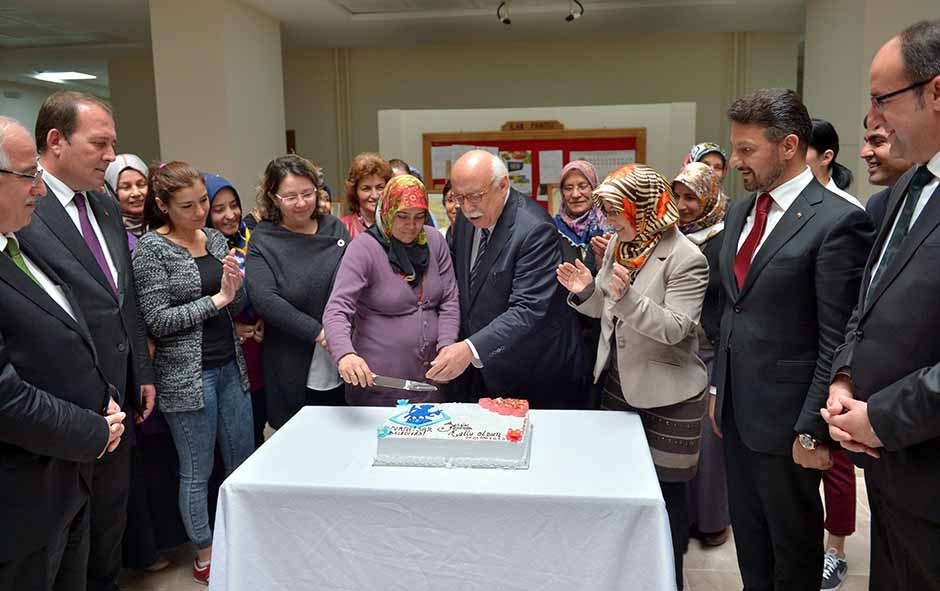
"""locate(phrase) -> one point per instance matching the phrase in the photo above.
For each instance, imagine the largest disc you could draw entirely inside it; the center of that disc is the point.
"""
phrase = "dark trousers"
(676, 496)
(108, 514)
(59, 566)
(776, 514)
(839, 491)
(905, 548)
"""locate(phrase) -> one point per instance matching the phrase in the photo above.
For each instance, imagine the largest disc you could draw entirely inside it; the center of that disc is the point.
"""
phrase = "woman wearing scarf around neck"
(225, 215)
(365, 182)
(648, 294)
(396, 285)
(702, 206)
(127, 177)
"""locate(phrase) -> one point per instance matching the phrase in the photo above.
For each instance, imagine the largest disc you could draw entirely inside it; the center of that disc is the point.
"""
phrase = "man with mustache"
(884, 400)
(517, 330)
(57, 413)
(883, 169)
(790, 267)
(79, 232)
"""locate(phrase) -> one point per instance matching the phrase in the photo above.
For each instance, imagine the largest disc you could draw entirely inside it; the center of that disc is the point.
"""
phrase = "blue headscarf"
(238, 241)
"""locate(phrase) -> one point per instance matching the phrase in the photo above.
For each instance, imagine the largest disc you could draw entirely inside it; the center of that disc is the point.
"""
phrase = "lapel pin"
(799, 214)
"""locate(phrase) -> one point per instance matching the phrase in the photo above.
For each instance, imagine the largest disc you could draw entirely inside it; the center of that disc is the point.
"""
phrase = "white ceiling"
(82, 35)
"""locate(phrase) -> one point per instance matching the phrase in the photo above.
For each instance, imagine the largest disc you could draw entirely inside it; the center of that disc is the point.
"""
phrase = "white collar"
(505, 199)
(786, 194)
(933, 165)
(62, 191)
(4, 238)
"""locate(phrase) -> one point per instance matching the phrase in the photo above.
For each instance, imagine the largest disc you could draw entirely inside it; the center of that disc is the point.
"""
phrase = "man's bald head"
(479, 182)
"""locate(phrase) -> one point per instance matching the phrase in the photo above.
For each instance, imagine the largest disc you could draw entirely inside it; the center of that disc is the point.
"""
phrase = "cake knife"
(400, 384)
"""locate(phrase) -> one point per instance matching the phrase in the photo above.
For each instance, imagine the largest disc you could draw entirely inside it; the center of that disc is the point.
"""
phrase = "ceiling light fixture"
(61, 77)
(572, 14)
(503, 15)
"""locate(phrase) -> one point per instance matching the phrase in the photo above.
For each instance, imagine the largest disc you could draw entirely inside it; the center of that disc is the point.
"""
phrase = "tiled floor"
(706, 569)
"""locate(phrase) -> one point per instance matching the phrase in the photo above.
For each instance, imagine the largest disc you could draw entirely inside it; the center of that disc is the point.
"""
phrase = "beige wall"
(134, 100)
(23, 103)
(333, 96)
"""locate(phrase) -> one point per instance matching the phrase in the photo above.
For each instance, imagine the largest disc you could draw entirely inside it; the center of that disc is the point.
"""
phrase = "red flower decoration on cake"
(514, 407)
(514, 435)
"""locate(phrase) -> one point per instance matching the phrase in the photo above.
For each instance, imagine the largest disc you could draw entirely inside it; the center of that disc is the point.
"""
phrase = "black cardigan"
(289, 277)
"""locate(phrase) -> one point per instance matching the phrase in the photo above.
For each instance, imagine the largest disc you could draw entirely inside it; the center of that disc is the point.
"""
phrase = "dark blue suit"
(876, 206)
(517, 318)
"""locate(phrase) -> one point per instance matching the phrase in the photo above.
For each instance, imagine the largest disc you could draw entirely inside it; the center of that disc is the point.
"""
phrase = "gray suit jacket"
(656, 321)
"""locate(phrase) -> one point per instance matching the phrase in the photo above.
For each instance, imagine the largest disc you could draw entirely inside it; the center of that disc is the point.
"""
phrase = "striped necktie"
(484, 238)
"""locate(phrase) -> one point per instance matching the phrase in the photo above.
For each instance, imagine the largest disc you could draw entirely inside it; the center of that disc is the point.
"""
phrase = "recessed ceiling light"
(61, 77)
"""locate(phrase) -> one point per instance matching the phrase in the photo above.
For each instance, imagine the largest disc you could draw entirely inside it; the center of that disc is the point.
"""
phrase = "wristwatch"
(807, 441)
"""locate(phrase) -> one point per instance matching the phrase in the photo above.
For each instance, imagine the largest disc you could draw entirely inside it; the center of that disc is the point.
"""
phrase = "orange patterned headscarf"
(402, 192)
(644, 198)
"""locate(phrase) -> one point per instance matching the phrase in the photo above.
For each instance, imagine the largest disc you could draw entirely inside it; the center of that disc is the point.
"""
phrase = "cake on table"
(494, 433)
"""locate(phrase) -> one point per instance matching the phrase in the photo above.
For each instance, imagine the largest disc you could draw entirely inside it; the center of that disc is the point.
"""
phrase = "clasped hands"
(115, 419)
(848, 419)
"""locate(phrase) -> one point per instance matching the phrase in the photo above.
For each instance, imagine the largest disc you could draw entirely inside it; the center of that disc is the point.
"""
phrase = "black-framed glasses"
(34, 178)
(878, 102)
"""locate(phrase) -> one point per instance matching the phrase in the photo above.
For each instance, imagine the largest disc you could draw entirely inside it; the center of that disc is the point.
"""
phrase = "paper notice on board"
(440, 156)
(519, 163)
(605, 161)
(550, 165)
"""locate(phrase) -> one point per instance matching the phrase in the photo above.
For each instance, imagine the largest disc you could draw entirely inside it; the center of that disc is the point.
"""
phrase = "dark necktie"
(13, 250)
(921, 179)
(742, 261)
(91, 239)
(484, 238)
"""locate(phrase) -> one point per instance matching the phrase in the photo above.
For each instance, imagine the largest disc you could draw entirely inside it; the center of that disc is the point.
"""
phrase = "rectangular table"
(309, 511)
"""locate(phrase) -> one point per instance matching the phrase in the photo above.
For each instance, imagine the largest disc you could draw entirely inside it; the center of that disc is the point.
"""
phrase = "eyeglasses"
(293, 197)
(570, 188)
(472, 198)
(878, 102)
(34, 178)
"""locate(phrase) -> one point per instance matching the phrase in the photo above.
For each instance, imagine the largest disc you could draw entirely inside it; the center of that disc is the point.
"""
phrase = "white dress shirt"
(933, 165)
(783, 197)
(53, 290)
(66, 197)
(831, 185)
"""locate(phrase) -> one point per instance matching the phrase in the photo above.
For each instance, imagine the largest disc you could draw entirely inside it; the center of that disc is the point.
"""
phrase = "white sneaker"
(834, 571)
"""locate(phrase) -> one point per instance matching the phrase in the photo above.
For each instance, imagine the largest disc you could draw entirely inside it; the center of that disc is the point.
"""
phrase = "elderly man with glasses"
(515, 328)
(884, 399)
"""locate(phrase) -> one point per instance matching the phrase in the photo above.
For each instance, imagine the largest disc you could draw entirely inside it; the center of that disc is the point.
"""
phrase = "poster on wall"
(443, 157)
(519, 163)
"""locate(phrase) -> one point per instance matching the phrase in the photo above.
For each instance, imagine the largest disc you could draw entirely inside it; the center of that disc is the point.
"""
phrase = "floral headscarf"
(579, 230)
(704, 182)
(644, 198)
(409, 260)
(697, 151)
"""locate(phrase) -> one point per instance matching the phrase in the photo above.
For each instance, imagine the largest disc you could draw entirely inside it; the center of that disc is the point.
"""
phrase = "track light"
(574, 14)
(503, 15)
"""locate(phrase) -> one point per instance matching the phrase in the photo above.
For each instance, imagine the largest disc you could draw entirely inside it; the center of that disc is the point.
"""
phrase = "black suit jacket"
(52, 398)
(117, 328)
(779, 331)
(876, 206)
(893, 351)
(517, 318)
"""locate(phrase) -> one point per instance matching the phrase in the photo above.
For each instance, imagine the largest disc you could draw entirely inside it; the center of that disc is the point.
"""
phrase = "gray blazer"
(169, 294)
(657, 323)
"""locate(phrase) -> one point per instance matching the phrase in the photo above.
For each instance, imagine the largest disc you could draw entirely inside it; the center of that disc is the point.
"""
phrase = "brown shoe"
(716, 539)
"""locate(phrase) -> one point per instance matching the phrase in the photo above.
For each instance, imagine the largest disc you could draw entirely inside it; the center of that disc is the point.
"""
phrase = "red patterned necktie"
(742, 261)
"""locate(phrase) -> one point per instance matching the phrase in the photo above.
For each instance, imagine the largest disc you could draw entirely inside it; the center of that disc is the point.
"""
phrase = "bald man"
(518, 336)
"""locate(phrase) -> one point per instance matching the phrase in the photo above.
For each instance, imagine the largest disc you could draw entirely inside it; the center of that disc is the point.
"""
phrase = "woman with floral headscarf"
(580, 219)
(648, 294)
(394, 304)
(702, 206)
(711, 155)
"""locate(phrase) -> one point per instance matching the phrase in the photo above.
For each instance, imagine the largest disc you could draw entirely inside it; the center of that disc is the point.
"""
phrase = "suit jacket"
(893, 353)
(656, 321)
(876, 205)
(116, 324)
(516, 317)
(780, 330)
(52, 398)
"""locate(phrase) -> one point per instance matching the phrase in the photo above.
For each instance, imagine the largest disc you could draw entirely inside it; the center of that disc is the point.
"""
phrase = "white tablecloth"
(309, 511)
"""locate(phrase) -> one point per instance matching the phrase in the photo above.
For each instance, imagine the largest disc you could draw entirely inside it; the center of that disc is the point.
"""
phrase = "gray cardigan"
(169, 294)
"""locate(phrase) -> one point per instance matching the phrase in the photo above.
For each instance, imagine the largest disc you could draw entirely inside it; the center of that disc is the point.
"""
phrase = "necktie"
(91, 239)
(484, 238)
(13, 250)
(921, 179)
(742, 261)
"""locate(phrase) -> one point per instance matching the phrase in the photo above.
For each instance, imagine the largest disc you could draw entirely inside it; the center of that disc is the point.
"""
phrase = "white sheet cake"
(494, 433)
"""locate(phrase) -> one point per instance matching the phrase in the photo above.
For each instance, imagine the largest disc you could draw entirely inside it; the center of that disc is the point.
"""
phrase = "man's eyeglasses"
(34, 178)
(292, 198)
(878, 102)
(472, 198)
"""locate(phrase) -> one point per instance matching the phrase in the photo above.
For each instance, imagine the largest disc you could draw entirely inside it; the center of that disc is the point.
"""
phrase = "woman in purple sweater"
(394, 303)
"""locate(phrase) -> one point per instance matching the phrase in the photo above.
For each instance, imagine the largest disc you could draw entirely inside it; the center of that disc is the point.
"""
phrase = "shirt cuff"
(846, 371)
(476, 356)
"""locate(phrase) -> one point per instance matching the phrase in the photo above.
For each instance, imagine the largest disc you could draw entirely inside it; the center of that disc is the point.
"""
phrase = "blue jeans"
(226, 413)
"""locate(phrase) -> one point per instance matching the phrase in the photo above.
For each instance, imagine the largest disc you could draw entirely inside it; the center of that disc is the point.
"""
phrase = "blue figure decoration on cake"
(421, 415)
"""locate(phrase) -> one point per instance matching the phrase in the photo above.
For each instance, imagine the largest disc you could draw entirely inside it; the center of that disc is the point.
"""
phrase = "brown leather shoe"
(717, 538)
